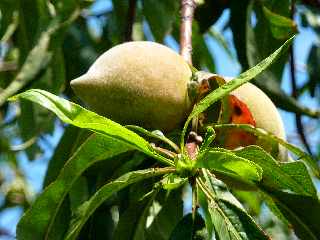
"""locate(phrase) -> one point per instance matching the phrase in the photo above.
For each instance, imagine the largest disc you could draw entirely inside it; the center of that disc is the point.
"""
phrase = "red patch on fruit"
(239, 114)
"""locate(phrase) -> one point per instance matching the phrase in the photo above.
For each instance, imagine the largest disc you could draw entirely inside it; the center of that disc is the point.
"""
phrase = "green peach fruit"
(141, 83)
(264, 112)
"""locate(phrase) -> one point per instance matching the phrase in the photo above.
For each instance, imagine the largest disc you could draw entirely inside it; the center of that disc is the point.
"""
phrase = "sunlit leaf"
(226, 163)
(281, 27)
(80, 117)
(232, 85)
(229, 219)
(270, 137)
(292, 176)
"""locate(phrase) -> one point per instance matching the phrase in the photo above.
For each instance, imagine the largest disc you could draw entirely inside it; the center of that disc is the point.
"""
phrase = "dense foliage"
(113, 183)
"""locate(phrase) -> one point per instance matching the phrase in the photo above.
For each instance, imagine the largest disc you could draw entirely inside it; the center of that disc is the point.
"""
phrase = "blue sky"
(226, 66)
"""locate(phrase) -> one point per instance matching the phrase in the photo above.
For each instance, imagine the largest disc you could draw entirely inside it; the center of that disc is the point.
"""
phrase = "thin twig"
(294, 94)
(187, 11)
(130, 20)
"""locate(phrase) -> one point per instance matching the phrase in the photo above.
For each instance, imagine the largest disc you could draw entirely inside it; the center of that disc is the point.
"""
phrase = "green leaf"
(37, 59)
(170, 214)
(270, 137)
(228, 217)
(37, 222)
(216, 35)
(88, 208)
(201, 57)
(292, 191)
(302, 212)
(80, 117)
(260, 42)
(231, 222)
(293, 177)
(161, 20)
(155, 134)
(232, 85)
(62, 153)
(208, 12)
(314, 72)
(132, 221)
(224, 162)
(238, 26)
(173, 181)
(281, 27)
(189, 229)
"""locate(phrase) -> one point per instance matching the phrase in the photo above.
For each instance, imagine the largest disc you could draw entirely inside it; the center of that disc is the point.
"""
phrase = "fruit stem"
(187, 11)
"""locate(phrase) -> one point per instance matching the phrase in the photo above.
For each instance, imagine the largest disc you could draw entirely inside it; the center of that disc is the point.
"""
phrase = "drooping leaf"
(313, 83)
(301, 211)
(232, 222)
(292, 190)
(132, 222)
(160, 21)
(229, 219)
(88, 208)
(208, 12)
(281, 27)
(37, 222)
(226, 163)
(232, 85)
(62, 153)
(37, 59)
(78, 116)
(216, 35)
(259, 44)
(238, 25)
(189, 228)
(170, 214)
(201, 57)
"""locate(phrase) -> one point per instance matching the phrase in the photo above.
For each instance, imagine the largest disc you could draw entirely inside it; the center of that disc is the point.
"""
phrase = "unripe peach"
(264, 112)
(141, 83)
(246, 105)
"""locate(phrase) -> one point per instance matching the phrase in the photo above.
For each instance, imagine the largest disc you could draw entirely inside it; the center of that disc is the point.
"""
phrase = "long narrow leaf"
(230, 220)
(80, 117)
(270, 137)
(86, 209)
(232, 85)
(36, 222)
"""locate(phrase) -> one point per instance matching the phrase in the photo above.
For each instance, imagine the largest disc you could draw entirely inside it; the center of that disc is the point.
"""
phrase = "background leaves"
(45, 44)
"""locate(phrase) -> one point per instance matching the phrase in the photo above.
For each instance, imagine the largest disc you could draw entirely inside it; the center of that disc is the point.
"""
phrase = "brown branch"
(187, 11)
(130, 20)
(294, 93)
